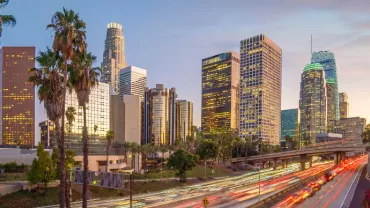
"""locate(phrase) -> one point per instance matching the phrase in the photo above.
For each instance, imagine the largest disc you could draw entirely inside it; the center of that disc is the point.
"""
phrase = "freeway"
(335, 193)
(228, 192)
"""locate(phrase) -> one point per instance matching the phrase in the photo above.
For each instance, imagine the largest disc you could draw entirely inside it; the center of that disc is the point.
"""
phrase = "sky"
(169, 38)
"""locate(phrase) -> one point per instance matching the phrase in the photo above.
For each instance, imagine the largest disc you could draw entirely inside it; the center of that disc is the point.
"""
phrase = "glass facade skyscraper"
(184, 119)
(343, 105)
(260, 89)
(312, 103)
(290, 120)
(327, 60)
(220, 93)
(132, 81)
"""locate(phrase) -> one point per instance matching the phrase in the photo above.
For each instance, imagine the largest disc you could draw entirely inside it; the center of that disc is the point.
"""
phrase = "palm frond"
(3, 3)
(8, 20)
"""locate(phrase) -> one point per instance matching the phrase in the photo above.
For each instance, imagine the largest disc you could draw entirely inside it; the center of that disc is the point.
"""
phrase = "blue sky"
(169, 38)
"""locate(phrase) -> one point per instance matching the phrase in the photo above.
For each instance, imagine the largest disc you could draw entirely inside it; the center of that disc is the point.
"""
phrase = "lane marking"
(352, 184)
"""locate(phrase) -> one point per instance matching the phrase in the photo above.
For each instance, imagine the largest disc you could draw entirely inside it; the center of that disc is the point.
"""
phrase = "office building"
(290, 124)
(327, 60)
(117, 117)
(46, 133)
(351, 128)
(343, 105)
(260, 89)
(159, 116)
(114, 55)
(312, 103)
(97, 113)
(17, 96)
(184, 119)
(132, 127)
(132, 81)
(220, 93)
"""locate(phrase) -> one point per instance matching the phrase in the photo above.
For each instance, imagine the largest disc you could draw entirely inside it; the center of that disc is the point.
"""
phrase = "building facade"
(312, 103)
(184, 119)
(132, 118)
(132, 81)
(260, 89)
(351, 128)
(343, 105)
(290, 121)
(159, 116)
(17, 96)
(97, 113)
(114, 55)
(220, 93)
(117, 117)
(327, 60)
(46, 133)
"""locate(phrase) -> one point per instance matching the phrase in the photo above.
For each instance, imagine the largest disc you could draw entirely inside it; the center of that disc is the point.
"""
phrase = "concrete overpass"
(338, 150)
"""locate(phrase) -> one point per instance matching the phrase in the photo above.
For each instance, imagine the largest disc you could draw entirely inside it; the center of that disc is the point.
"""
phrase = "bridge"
(305, 154)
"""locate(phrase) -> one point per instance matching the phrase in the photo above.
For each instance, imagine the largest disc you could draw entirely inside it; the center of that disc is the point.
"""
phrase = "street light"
(259, 179)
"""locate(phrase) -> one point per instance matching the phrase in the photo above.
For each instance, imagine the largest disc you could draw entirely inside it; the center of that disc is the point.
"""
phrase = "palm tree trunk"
(107, 156)
(86, 165)
(245, 154)
(61, 159)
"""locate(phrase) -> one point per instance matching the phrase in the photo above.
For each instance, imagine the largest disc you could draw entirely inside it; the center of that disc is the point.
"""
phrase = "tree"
(6, 20)
(83, 77)
(247, 146)
(109, 136)
(182, 161)
(42, 170)
(70, 115)
(49, 81)
(134, 150)
(207, 149)
(70, 162)
(55, 160)
(69, 38)
(366, 134)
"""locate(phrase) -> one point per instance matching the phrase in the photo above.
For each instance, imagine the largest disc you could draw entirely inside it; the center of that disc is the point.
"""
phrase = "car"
(307, 192)
(297, 197)
(322, 180)
(314, 185)
(329, 176)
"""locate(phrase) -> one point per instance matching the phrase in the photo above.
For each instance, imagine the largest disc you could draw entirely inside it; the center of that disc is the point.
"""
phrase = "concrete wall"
(132, 118)
(18, 155)
(95, 159)
(117, 118)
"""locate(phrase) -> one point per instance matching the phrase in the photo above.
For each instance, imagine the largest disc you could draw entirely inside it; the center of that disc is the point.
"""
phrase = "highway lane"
(334, 193)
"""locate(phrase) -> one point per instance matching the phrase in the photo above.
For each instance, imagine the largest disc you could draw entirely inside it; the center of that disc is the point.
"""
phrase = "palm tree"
(109, 136)
(6, 20)
(69, 37)
(70, 115)
(247, 145)
(83, 77)
(49, 81)
(134, 150)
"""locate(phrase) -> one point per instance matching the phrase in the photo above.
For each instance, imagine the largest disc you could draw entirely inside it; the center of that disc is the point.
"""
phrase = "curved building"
(312, 103)
(327, 60)
(114, 55)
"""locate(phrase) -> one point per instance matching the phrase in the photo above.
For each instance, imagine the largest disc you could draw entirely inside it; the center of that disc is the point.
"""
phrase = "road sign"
(205, 202)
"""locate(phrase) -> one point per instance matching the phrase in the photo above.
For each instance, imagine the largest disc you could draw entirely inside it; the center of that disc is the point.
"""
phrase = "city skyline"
(347, 43)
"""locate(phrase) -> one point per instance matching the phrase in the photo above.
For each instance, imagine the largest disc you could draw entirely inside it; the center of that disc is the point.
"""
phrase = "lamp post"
(259, 179)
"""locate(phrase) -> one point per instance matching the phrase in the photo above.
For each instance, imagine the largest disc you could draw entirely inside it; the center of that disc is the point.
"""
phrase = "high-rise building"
(159, 116)
(117, 117)
(220, 93)
(97, 113)
(184, 119)
(260, 89)
(327, 60)
(47, 132)
(343, 105)
(132, 81)
(132, 118)
(351, 128)
(17, 96)
(290, 124)
(114, 55)
(312, 103)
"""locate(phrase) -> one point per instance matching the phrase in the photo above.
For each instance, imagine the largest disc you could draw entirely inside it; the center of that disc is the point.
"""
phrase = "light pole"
(259, 179)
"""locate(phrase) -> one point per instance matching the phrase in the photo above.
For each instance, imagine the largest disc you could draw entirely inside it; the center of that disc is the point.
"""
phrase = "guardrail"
(289, 188)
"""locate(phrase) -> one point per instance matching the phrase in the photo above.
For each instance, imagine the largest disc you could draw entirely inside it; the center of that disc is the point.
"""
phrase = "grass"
(13, 177)
(196, 172)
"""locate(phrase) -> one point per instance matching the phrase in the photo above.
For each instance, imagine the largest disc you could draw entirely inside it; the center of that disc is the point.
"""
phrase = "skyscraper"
(312, 103)
(132, 81)
(220, 93)
(17, 96)
(343, 105)
(327, 60)
(351, 128)
(114, 55)
(184, 119)
(290, 124)
(159, 115)
(260, 89)
(46, 131)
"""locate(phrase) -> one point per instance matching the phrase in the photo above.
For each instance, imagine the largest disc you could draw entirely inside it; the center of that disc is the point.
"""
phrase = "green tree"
(42, 170)
(110, 137)
(70, 162)
(55, 160)
(207, 149)
(6, 20)
(50, 91)
(182, 161)
(366, 134)
(70, 115)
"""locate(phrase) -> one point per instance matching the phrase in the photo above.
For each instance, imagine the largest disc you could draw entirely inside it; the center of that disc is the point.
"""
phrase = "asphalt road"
(359, 194)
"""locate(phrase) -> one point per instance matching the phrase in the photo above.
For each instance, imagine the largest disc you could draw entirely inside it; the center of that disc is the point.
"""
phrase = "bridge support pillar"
(284, 163)
(275, 164)
(303, 162)
(338, 157)
(310, 162)
(264, 164)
